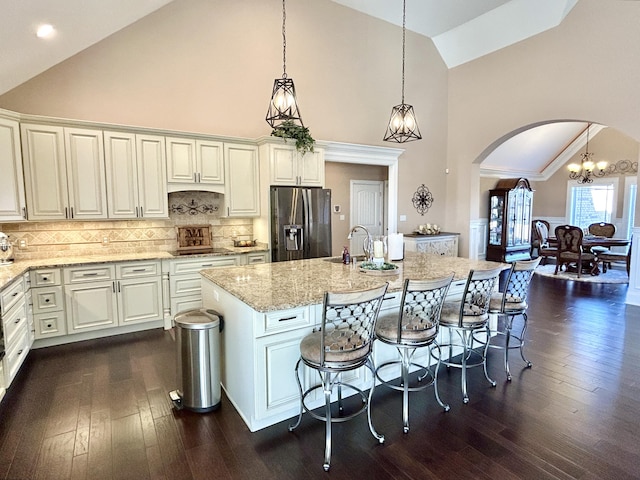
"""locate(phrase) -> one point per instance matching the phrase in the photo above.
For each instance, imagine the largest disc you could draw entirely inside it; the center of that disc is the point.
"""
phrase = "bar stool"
(415, 326)
(343, 343)
(465, 317)
(510, 303)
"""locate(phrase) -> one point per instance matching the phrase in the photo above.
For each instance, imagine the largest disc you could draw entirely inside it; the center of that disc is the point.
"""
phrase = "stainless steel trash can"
(198, 360)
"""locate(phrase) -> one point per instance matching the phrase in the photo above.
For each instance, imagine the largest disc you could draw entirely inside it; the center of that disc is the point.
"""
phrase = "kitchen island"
(269, 308)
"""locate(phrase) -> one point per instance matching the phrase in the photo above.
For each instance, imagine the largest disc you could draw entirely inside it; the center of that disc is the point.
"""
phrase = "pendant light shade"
(283, 105)
(403, 126)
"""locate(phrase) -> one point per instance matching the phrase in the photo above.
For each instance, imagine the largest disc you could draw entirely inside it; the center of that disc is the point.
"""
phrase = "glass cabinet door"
(496, 219)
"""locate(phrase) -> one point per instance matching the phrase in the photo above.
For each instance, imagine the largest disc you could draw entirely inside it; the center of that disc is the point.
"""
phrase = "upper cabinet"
(242, 180)
(12, 199)
(288, 167)
(136, 175)
(195, 164)
(64, 172)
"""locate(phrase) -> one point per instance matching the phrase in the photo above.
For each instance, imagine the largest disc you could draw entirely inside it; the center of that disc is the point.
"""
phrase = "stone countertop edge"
(279, 286)
(9, 273)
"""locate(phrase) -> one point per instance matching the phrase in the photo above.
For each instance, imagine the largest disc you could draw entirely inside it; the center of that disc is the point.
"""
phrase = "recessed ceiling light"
(45, 31)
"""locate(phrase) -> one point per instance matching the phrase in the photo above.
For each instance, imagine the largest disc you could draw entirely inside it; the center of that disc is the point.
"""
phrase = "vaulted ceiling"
(461, 30)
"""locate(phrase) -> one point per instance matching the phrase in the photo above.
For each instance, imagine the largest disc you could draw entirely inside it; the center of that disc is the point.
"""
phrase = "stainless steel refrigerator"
(300, 223)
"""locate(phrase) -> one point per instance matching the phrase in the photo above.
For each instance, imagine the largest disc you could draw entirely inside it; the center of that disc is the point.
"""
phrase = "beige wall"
(586, 69)
(208, 66)
(338, 178)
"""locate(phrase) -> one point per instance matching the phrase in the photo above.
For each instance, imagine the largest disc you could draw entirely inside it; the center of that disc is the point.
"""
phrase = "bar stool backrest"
(477, 294)
(516, 290)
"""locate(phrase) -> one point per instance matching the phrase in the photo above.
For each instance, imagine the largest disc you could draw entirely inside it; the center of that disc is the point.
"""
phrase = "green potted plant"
(288, 129)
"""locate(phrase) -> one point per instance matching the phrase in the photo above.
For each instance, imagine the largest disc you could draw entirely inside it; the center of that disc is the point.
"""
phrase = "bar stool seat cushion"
(345, 348)
(472, 315)
(416, 329)
(513, 303)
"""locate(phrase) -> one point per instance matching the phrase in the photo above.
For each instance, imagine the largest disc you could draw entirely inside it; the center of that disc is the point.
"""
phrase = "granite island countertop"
(283, 285)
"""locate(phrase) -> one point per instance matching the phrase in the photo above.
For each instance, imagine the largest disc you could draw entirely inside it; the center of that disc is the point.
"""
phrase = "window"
(630, 195)
(591, 203)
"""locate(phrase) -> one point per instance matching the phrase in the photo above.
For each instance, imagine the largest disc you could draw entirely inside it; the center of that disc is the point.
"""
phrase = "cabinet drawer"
(181, 304)
(253, 258)
(50, 324)
(16, 354)
(191, 266)
(181, 285)
(11, 295)
(284, 320)
(14, 321)
(47, 299)
(88, 274)
(45, 277)
(137, 269)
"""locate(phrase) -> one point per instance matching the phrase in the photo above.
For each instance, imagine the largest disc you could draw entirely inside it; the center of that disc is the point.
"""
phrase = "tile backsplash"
(59, 239)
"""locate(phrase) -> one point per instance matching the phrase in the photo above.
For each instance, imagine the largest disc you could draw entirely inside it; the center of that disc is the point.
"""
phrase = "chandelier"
(283, 106)
(587, 169)
(403, 126)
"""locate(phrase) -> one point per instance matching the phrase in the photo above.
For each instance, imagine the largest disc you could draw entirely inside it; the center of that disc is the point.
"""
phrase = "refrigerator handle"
(308, 221)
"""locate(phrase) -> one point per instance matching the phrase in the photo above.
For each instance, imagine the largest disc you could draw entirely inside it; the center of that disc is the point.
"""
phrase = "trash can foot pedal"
(176, 399)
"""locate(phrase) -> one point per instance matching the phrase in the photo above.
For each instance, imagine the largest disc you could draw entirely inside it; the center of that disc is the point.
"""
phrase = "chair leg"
(405, 389)
(465, 397)
(507, 341)
(484, 358)
(292, 427)
(435, 378)
(522, 337)
(373, 431)
(326, 386)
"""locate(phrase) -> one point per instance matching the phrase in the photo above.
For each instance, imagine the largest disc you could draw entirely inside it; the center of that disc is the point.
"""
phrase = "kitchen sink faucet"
(368, 241)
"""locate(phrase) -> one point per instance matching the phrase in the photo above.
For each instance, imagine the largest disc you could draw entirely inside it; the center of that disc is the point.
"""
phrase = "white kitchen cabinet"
(106, 296)
(288, 167)
(64, 172)
(194, 164)
(47, 298)
(15, 325)
(185, 279)
(445, 244)
(136, 175)
(254, 258)
(242, 180)
(12, 198)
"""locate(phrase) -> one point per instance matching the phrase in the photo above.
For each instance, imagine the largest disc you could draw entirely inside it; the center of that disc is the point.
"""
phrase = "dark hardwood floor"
(100, 410)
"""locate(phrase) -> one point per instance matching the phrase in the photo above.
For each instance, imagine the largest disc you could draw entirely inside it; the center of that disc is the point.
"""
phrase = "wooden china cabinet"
(510, 206)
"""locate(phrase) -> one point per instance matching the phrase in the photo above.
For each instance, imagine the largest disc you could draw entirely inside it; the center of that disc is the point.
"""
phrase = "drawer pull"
(20, 351)
(17, 321)
(49, 325)
(46, 300)
(139, 270)
(387, 298)
(207, 265)
(44, 279)
(15, 294)
(92, 274)
(286, 319)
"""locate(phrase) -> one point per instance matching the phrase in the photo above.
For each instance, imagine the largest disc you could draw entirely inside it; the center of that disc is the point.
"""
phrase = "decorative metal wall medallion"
(193, 208)
(422, 199)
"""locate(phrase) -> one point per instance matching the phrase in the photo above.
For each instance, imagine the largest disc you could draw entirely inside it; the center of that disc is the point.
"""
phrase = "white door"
(366, 210)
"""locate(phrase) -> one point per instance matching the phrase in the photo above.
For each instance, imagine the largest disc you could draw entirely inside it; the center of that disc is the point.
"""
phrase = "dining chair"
(570, 249)
(535, 238)
(509, 304)
(602, 229)
(545, 250)
(343, 343)
(466, 318)
(414, 327)
(609, 257)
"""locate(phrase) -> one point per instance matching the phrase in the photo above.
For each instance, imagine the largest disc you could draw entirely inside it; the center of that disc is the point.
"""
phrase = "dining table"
(590, 241)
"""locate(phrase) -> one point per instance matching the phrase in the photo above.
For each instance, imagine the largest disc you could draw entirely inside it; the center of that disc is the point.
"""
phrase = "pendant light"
(403, 126)
(283, 106)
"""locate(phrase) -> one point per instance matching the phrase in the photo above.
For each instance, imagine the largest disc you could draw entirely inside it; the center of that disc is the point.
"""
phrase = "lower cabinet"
(445, 244)
(112, 295)
(15, 325)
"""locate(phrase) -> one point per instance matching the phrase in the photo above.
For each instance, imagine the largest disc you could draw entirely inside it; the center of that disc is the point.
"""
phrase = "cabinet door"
(311, 169)
(152, 176)
(242, 180)
(45, 172)
(276, 357)
(85, 173)
(91, 306)
(121, 174)
(12, 199)
(210, 160)
(139, 300)
(181, 160)
(283, 165)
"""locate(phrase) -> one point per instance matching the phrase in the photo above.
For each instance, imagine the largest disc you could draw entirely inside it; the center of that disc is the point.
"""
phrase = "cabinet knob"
(49, 325)
(44, 279)
(46, 300)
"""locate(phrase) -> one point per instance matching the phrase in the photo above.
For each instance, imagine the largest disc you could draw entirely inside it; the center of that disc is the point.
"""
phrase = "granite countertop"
(282, 285)
(8, 273)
